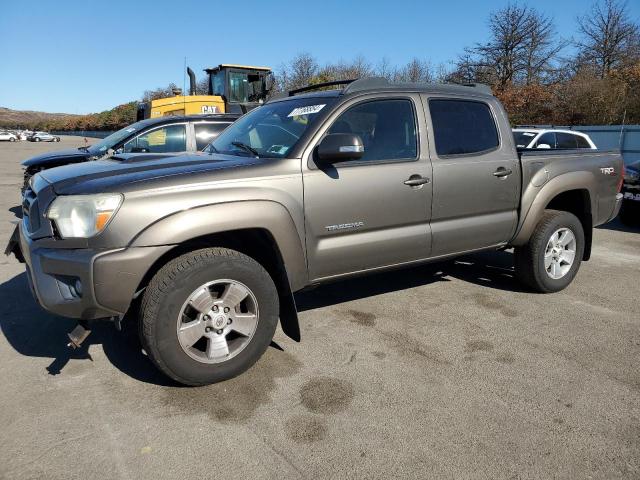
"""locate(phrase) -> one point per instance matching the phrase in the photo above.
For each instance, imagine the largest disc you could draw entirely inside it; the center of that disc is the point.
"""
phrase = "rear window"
(582, 142)
(206, 132)
(565, 140)
(462, 127)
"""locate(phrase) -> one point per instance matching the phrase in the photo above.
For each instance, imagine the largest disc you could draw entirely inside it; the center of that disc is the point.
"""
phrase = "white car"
(555, 139)
(7, 137)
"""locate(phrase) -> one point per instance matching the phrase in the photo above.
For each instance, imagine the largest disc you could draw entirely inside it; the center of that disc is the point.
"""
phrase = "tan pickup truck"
(306, 189)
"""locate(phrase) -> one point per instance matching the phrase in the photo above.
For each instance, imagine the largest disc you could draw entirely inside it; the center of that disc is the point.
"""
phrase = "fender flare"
(185, 225)
(565, 182)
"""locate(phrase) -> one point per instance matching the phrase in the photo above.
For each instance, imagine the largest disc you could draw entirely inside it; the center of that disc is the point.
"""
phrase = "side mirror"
(544, 146)
(340, 147)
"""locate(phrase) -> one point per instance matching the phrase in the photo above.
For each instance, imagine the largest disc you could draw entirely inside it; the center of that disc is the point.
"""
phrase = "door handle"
(502, 172)
(416, 180)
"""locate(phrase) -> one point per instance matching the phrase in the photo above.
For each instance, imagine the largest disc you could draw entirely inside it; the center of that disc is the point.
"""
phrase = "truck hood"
(113, 174)
(69, 155)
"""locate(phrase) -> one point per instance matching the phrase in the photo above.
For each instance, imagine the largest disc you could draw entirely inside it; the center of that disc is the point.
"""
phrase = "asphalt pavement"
(450, 370)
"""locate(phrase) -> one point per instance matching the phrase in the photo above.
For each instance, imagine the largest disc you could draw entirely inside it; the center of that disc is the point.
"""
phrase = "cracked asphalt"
(450, 370)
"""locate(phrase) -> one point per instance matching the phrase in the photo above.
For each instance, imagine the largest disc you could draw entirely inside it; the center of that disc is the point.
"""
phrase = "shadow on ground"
(33, 332)
(489, 269)
(618, 226)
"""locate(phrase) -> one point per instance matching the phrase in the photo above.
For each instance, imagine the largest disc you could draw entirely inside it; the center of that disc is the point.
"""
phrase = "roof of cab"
(380, 84)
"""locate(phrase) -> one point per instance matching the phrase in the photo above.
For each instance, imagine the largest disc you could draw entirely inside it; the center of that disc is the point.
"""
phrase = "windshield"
(271, 130)
(109, 142)
(523, 139)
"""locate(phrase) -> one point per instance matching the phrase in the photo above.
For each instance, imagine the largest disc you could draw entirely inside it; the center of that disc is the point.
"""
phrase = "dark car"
(630, 211)
(174, 134)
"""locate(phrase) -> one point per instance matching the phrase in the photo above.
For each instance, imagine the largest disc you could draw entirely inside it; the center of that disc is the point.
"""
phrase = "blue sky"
(87, 56)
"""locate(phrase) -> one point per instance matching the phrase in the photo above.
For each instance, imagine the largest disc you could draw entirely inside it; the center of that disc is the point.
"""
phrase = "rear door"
(476, 175)
(361, 214)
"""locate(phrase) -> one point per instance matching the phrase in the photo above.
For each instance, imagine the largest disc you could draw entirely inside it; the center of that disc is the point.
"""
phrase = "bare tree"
(521, 49)
(415, 71)
(161, 92)
(299, 72)
(609, 37)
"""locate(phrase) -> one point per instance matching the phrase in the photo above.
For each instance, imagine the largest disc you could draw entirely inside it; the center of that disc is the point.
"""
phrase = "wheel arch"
(263, 230)
(570, 192)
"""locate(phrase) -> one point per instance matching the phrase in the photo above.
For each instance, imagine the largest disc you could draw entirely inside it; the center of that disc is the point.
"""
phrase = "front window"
(271, 130)
(238, 87)
(523, 139)
(387, 129)
(115, 138)
(169, 139)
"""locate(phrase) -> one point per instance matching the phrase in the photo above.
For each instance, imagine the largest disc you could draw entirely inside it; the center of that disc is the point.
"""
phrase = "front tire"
(208, 316)
(37, 139)
(551, 259)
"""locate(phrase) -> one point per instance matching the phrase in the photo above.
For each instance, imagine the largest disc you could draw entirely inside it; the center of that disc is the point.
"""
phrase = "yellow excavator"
(231, 89)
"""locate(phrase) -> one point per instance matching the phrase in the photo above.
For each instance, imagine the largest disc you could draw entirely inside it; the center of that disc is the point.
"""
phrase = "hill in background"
(24, 118)
(113, 119)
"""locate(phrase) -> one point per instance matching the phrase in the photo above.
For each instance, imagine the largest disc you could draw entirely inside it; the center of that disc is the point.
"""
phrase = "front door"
(363, 214)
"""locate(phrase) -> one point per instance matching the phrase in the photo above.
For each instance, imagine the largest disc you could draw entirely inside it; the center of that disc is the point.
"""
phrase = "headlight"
(83, 216)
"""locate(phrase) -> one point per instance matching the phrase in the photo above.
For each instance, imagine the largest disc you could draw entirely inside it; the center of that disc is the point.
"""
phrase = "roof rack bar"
(483, 87)
(316, 86)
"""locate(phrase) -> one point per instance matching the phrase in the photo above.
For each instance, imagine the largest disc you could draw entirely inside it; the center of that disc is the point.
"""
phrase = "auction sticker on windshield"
(308, 110)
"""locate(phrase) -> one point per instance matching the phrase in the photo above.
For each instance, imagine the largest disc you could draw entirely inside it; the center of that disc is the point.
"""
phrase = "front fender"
(196, 222)
(535, 200)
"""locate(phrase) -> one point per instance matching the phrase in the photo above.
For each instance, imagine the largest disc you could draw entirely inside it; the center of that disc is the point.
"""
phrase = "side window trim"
(464, 155)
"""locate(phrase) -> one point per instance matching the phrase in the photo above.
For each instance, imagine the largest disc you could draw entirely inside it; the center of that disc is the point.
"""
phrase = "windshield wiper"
(246, 148)
(86, 149)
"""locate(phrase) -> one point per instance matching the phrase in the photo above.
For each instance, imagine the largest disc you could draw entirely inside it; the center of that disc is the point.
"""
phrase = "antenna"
(624, 117)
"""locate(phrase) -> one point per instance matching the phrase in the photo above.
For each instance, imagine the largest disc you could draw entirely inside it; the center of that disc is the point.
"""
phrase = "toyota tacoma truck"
(206, 251)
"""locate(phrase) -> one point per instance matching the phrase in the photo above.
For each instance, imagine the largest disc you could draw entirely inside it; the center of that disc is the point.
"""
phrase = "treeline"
(541, 77)
(113, 119)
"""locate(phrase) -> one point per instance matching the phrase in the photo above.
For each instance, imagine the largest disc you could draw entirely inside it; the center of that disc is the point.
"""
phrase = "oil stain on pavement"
(236, 400)
(362, 318)
(320, 396)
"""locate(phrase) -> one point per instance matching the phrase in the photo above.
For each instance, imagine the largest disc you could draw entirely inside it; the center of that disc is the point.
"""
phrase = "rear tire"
(56, 140)
(546, 264)
(184, 325)
(12, 139)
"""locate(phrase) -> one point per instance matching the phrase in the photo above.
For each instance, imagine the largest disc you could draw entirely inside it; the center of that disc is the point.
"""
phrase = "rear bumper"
(84, 283)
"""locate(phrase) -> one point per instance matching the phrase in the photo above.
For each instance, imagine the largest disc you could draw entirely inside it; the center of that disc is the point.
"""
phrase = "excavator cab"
(242, 87)
(231, 89)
